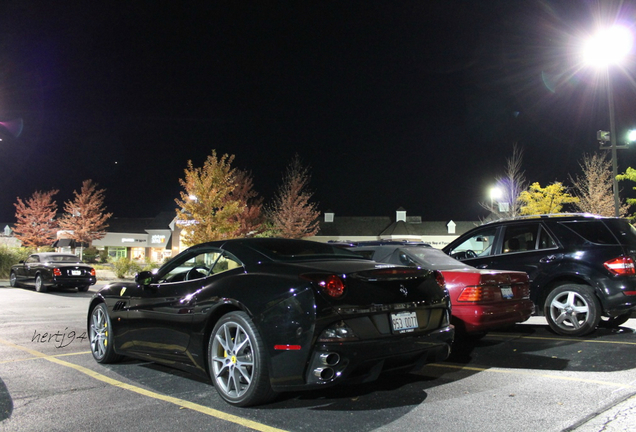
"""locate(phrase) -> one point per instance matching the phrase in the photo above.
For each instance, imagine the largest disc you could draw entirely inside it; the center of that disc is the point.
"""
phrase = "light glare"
(608, 47)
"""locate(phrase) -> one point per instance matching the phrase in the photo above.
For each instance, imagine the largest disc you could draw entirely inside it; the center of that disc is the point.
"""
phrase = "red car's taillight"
(57, 272)
(331, 284)
(477, 294)
(623, 266)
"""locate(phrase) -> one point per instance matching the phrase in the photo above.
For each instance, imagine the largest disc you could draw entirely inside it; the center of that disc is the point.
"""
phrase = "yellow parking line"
(521, 336)
(34, 358)
(176, 401)
(519, 372)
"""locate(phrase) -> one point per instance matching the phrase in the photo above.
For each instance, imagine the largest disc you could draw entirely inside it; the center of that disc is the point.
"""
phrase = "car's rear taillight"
(331, 284)
(57, 272)
(623, 266)
(93, 272)
(477, 294)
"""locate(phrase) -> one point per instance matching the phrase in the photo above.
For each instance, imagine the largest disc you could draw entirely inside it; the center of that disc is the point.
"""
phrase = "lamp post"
(606, 48)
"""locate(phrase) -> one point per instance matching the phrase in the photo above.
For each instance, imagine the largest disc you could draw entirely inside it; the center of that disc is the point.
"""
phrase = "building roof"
(140, 225)
(355, 226)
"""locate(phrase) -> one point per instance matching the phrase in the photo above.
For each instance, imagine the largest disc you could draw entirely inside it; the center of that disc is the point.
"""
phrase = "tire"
(616, 321)
(13, 280)
(572, 310)
(82, 288)
(100, 337)
(39, 284)
(237, 361)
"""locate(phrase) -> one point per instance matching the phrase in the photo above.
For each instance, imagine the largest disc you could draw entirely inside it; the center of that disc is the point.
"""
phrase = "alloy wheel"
(232, 359)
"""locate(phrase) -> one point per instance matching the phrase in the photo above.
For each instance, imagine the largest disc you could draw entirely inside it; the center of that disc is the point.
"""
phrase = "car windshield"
(62, 258)
(433, 259)
(294, 250)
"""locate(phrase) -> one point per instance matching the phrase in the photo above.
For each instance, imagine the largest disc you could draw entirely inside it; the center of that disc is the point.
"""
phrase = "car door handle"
(551, 258)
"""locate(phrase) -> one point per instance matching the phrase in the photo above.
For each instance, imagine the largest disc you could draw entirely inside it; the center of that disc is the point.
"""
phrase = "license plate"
(76, 272)
(404, 322)
(506, 292)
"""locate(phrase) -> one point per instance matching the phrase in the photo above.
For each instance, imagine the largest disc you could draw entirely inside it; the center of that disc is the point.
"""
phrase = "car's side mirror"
(143, 278)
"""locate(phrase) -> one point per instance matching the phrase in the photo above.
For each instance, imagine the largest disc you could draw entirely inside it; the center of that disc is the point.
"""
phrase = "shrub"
(9, 256)
(103, 256)
(125, 267)
(90, 254)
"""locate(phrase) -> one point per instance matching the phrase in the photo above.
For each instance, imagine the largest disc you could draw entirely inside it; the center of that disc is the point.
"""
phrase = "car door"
(160, 314)
(476, 248)
(523, 246)
(31, 266)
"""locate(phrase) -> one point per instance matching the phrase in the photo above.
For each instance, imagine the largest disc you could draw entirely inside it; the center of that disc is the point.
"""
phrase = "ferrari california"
(261, 316)
(482, 300)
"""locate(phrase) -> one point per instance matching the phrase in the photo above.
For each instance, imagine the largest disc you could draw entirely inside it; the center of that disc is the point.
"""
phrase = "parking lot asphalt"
(618, 414)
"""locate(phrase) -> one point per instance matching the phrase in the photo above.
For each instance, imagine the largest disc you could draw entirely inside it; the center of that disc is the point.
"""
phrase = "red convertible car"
(481, 300)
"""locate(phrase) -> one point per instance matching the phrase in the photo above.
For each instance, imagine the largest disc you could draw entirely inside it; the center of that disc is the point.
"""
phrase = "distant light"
(496, 193)
(631, 135)
(608, 47)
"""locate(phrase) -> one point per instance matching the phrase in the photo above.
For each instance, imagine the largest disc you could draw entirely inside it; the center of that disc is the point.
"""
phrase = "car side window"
(192, 267)
(225, 262)
(32, 259)
(545, 240)
(478, 245)
(527, 237)
(592, 231)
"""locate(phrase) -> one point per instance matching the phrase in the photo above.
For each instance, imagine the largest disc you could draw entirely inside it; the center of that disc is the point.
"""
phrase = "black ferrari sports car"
(262, 315)
(52, 269)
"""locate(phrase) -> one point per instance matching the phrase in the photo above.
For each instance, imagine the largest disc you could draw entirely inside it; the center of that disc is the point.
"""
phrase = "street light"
(607, 48)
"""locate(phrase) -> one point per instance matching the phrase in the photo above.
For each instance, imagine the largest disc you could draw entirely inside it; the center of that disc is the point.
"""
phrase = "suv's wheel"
(572, 310)
(614, 322)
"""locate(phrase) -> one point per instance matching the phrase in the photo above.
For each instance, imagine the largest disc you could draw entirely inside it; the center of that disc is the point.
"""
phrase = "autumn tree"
(85, 218)
(629, 174)
(207, 209)
(250, 218)
(547, 200)
(291, 214)
(36, 225)
(510, 186)
(594, 187)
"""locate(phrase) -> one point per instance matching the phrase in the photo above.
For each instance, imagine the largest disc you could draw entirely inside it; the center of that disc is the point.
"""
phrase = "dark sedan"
(51, 269)
(260, 316)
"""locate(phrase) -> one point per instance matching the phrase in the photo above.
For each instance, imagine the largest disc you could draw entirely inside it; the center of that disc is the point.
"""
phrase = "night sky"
(391, 104)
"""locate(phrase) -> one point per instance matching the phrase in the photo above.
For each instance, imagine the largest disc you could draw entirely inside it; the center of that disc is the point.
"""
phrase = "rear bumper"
(617, 296)
(363, 361)
(71, 282)
(477, 318)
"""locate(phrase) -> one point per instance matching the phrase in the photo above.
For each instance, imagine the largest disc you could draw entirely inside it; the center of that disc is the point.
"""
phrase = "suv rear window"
(593, 231)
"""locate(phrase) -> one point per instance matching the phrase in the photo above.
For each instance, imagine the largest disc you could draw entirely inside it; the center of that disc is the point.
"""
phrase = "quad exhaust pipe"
(328, 360)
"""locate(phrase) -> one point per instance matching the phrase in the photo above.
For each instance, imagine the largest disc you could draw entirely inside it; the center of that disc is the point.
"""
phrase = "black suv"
(581, 267)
